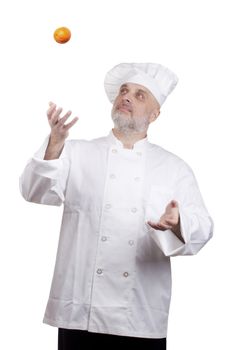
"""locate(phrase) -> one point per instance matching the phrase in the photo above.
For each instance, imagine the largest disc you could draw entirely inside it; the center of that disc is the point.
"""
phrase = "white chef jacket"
(112, 272)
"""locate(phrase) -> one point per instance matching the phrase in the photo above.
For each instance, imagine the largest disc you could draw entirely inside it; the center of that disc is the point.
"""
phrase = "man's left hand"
(170, 220)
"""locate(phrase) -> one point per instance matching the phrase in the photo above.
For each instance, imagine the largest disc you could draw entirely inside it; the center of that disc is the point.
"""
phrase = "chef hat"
(155, 77)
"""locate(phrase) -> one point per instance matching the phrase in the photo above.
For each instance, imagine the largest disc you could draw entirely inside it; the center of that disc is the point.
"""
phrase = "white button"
(112, 176)
(103, 238)
(137, 178)
(134, 210)
(139, 153)
(125, 274)
(108, 206)
(99, 271)
(114, 150)
(131, 242)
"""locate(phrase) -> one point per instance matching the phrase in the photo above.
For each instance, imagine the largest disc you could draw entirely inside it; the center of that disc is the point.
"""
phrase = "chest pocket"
(158, 199)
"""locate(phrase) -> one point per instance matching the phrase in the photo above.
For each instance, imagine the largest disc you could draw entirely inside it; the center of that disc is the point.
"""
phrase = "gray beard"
(129, 124)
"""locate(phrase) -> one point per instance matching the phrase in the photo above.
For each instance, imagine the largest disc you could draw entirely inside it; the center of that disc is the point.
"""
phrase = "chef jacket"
(112, 272)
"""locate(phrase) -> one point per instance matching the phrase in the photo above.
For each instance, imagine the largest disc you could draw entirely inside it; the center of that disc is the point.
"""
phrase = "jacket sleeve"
(44, 181)
(196, 223)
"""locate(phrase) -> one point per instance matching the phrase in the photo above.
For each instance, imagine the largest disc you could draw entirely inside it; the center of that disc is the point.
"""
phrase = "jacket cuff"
(167, 241)
(47, 168)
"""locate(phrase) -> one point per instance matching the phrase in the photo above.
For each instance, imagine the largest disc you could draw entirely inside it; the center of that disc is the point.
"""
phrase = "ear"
(154, 115)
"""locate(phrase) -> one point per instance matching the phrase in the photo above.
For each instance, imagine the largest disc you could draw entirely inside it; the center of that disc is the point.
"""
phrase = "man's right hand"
(59, 131)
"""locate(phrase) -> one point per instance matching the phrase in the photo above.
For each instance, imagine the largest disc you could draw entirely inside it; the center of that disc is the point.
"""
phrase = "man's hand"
(170, 220)
(59, 131)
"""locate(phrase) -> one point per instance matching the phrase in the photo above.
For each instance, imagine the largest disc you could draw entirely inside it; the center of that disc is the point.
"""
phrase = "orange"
(62, 35)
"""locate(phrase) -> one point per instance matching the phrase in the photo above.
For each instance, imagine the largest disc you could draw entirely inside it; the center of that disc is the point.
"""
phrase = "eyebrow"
(123, 86)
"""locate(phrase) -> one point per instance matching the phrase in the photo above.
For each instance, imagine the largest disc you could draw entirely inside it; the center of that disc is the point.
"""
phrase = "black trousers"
(70, 339)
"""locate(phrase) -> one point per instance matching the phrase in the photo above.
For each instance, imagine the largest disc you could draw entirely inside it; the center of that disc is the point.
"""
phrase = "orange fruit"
(62, 35)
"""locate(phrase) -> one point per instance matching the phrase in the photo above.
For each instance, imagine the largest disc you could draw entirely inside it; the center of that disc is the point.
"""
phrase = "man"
(129, 206)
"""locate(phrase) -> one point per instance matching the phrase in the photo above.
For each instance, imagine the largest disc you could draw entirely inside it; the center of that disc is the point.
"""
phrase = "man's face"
(134, 108)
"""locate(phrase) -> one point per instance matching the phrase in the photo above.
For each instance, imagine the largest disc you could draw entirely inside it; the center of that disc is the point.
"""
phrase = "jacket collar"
(141, 144)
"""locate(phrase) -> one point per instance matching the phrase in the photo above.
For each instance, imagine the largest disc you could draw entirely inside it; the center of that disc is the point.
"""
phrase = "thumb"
(174, 204)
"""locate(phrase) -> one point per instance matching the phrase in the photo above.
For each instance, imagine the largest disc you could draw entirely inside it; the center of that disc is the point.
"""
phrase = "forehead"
(133, 86)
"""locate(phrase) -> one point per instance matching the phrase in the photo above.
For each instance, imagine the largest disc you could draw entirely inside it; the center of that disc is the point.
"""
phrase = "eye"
(123, 91)
(140, 95)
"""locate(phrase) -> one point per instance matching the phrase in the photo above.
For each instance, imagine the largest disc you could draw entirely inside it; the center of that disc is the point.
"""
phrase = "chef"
(129, 205)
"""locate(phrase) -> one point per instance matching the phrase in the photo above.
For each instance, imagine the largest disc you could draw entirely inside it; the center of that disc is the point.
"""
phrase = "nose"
(126, 99)
(126, 102)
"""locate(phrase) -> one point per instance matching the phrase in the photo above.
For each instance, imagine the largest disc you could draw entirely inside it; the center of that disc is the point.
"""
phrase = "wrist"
(56, 142)
(54, 149)
(177, 231)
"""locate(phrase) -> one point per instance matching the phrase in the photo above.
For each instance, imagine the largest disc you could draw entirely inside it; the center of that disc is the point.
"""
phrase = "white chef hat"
(158, 79)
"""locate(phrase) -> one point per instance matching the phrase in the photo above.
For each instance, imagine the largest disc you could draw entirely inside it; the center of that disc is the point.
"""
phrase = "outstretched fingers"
(159, 226)
(53, 114)
(70, 124)
(64, 119)
(59, 129)
(51, 110)
(56, 115)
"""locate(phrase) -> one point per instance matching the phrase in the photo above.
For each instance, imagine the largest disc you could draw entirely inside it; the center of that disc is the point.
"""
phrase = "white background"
(194, 39)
